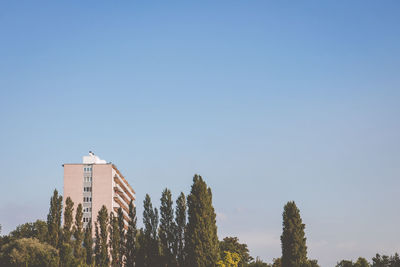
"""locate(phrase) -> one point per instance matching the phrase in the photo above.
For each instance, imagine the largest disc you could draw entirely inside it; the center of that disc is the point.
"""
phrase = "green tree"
(37, 229)
(122, 237)
(395, 260)
(345, 263)
(101, 249)
(97, 244)
(78, 235)
(294, 249)
(361, 262)
(68, 220)
(277, 262)
(1, 238)
(230, 259)
(201, 240)
(141, 249)
(88, 244)
(180, 222)
(28, 252)
(54, 220)
(114, 241)
(131, 244)
(386, 261)
(67, 258)
(167, 231)
(232, 244)
(150, 221)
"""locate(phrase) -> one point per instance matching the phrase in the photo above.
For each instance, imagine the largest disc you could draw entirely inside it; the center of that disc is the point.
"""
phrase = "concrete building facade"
(95, 183)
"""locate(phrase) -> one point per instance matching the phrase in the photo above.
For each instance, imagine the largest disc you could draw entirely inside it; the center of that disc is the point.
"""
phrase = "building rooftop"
(92, 159)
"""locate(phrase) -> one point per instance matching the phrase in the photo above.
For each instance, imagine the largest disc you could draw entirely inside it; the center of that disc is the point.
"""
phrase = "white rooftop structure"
(92, 159)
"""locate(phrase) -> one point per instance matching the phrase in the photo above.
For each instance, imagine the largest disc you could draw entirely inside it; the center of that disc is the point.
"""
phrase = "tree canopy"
(201, 237)
(294, 249)
(28, 252)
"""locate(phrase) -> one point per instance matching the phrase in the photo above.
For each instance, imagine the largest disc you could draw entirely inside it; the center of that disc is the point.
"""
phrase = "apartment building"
(95, 183)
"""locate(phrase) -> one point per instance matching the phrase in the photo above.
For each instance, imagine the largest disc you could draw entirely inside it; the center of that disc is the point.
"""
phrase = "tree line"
(183, 234)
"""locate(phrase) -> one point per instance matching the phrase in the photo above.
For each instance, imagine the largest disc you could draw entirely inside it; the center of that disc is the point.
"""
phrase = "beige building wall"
(73, 184)
(102, 189)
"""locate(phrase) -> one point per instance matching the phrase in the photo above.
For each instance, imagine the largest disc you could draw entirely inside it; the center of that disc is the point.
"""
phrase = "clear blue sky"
(269, 101)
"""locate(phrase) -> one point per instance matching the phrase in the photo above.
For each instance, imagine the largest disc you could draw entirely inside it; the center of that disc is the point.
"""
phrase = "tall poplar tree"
(54, 220)
(131, 243)
(167, 231)
(97, 244)
(78, 234)
(294, 249)
(67, 258)
(88, 244)
(141, 249)
(66, 249)
(122, 237)
(150, 221)
(101, 249)
(180, 221)
(68, 220)
(201, 240)
(114, 240)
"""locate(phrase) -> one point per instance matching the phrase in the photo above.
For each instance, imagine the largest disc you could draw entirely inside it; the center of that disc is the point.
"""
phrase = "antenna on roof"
(91, 153)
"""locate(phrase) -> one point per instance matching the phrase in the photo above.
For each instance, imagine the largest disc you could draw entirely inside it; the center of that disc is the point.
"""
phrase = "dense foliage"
(131, 237)
(231, 244)
(294, 249)
(180, 221)
(180, 236)
(377, 261)
(201, 238)
(28, 252)
(230, 259)
(167, 230)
